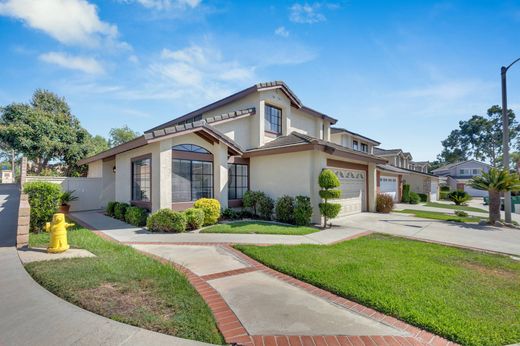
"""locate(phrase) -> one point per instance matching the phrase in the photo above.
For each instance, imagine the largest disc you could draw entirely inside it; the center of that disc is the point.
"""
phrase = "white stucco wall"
(95, 169)
(108, 185)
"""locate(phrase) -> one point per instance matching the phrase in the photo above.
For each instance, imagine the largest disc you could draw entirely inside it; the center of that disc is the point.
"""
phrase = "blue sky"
(401, 72)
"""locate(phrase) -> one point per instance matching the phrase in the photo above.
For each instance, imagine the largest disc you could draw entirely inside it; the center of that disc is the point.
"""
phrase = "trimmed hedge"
(110, 208)
(406, 193)
(211, 208)
(231, 214)
(384, 203)
(120, 210)
(302, 210)
(423, 197)
(414, 198)
(265, 207)
(167, 220)
(44, 199)
(195, 218)
(136, 216)
(252, 199)
(284, 209)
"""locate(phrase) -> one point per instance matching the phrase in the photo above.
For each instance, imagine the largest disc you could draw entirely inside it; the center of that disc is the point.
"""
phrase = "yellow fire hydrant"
(58, 229)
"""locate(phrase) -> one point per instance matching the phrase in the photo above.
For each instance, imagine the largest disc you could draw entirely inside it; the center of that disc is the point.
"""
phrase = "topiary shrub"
(195, 218)
(406, 193)
(384, 203)
(423, 197)
(211, 209)
(120, 210)
(284, 209)
(414, 198)
(459, 197)
(251, 200)
(265, 207)
(230, 214)
(110, 208)
(166, 220)
(302, 210)
(136, 216)
(44, 199)
(329, 183)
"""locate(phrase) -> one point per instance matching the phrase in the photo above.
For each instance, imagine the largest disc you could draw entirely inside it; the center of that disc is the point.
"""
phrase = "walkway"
(30, 315)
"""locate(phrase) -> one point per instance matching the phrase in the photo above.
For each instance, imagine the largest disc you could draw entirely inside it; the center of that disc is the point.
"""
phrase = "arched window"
(190, 148)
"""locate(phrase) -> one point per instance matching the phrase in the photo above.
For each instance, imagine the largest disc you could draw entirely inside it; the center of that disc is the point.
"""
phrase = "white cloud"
(306, 13)
(71, 22)
(166, 4)
(282, 31)
(84, 64)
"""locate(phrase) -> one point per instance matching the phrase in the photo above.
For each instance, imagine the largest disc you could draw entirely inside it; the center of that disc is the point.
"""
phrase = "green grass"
(466, 296)
(454, 207)
(124, 285)
(258, 227)
(435, 215)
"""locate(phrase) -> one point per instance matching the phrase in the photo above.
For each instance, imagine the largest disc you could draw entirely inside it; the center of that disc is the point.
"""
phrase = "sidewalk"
(30, 315)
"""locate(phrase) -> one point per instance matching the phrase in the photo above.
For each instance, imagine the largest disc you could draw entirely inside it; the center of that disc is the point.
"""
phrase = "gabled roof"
(295, 101)
(401, 170)
(334, 130)
(455, 164)
(383, 152)
(420, 162)
(295, 139)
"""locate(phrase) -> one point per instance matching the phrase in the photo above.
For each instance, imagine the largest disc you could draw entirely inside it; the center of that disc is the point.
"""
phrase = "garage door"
(353, 191)
(388, 185)
(434, 188)
(474, 192)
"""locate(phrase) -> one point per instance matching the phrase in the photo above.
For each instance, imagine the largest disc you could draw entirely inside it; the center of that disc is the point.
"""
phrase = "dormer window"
(364, 147)
(273, 119)
(355, 145)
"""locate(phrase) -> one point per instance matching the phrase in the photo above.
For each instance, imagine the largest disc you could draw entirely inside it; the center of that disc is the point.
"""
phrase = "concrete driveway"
(504, 240)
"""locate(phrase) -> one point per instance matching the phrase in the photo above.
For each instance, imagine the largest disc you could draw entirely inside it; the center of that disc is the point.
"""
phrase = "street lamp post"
(505, 137)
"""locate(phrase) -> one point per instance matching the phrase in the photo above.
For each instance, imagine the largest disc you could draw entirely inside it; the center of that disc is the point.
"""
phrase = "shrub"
(195, 218)
(110, 208)
(166, 220)
(329, 182)
(406, 193)
(459, 197)
(44, 198)
(384, 203)
(414, 198)
(461, 213)
(284, 209)
(230, 214)
(445, 188)
(302, 210)
(244, 214)
(251, 200)
(443, 195)
(136, 216)
(211, 209)
(265, 207)
(120, 210)
(423, 197)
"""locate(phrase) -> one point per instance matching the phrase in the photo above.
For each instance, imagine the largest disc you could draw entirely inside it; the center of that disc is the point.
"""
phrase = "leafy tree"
(329, 183)
(496, 181)
(480, 137)
(121, 135)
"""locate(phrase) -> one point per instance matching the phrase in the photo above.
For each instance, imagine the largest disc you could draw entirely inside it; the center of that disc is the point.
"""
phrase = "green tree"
(121, 135)
(329, 183)
(496, 181)
(480, 138)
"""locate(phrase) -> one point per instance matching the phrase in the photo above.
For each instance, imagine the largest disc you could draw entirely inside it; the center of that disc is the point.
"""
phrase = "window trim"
(248, 180)
(281, 117)
(140, 203)
(355, 145)
(361, 147)
(174, 203)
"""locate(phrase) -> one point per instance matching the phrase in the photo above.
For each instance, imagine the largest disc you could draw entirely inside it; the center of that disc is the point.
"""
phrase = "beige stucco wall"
(108, 185)
(95, 169)
(346, 140)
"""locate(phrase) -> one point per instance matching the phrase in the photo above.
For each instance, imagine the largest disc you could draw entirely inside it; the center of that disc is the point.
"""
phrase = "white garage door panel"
(353, 191)
(474, 192)
(388, 185)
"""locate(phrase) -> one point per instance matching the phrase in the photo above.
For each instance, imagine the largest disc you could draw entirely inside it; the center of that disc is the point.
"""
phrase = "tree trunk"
(494, 206)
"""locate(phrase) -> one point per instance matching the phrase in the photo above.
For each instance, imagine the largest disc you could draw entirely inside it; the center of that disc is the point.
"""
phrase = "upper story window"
(273, 119)
(190, 148)
(355, 145)
(462, 171)
(475, 171)
(141, 179)
(364, 147)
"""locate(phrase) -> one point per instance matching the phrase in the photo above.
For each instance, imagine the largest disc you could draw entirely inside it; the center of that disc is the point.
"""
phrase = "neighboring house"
(458, 174)
(401, 169)
(261, 138)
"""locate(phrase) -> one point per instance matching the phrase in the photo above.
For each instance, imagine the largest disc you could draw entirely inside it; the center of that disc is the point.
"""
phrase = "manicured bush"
(443, 195)
(406, 193)
(120, 210)
(244, 214)
(230, 214)
(166, 220)
(195, 218)
(284, 209)
(461, 213)
(211, 209)
(136, 216)
(265, 207)
(445, 188)
(414, 198)
(44, 199)
(302, 210)
(384, 203)
(459, 197)
(251, 200)
(110, 208)
(423, 197)
(329, 182)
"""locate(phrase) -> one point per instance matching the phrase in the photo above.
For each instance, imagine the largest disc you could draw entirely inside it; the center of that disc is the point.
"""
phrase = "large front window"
(238, 181)
(273, 119)
(141, 179)
(191, 180)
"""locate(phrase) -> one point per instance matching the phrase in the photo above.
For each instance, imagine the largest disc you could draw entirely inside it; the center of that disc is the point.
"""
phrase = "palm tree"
(496, 181)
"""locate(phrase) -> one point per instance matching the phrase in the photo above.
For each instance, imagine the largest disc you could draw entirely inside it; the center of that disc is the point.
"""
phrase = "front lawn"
(466, 296)
(435, 215)
(454, 207)
(258, 227)
(124, 285)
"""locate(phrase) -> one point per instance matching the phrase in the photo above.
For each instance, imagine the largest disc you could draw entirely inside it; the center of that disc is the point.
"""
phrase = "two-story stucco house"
(458, 174)
(261, 138)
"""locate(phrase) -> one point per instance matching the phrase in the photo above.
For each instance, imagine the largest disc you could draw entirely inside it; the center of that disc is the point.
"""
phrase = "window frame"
(233, 166)
(139, 202)
(364, 145)
(211, 174)
(355, 145)
(268, 121)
